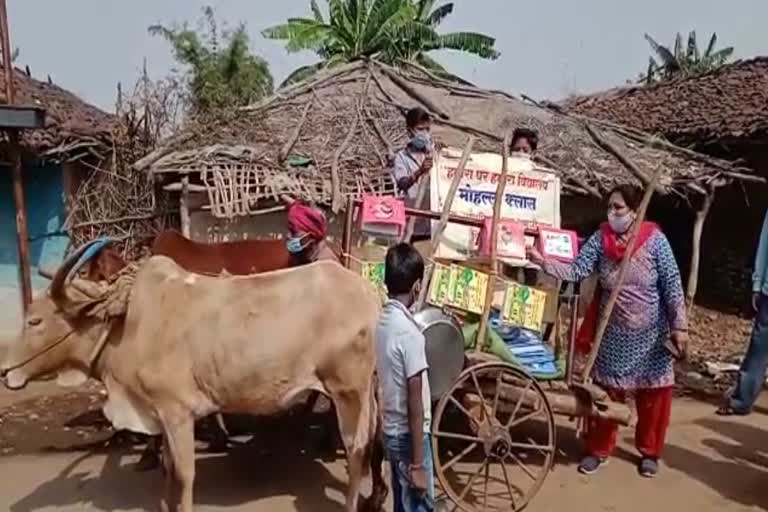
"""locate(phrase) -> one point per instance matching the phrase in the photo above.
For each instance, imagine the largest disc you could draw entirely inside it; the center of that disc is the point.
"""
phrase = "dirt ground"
(57, 455)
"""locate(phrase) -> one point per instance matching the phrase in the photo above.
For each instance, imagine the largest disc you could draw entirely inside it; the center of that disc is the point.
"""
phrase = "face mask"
(620, 223)
(294, 244)
(421, 141)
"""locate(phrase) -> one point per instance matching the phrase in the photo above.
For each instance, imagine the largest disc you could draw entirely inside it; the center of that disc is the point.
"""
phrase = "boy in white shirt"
(401, 363)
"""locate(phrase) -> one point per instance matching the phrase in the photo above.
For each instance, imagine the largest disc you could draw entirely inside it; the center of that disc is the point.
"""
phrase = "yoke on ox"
(161, 371)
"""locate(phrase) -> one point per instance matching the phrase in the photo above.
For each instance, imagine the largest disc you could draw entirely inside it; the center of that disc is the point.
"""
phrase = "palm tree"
(390, 30)
(684, 61)
(220, 75)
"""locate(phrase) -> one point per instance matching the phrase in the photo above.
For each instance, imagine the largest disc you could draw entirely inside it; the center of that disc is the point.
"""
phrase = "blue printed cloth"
(651, 302)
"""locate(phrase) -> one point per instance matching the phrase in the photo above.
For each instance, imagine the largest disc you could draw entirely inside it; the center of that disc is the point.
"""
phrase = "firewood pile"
(115, 200)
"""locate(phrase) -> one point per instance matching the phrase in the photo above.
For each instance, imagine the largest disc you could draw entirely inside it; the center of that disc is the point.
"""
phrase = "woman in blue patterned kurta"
(650, 308)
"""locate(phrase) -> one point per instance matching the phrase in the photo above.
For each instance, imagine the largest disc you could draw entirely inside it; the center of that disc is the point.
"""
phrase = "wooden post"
(623, 267)
(494, 271)
(22, 237)
(698, 230)
(184, 207)
(447, 205)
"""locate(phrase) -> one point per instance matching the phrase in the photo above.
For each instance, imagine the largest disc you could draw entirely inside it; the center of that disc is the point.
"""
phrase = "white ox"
(276, 336)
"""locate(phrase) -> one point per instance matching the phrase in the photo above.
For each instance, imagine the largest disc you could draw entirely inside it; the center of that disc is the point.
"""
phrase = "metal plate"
(444, 348)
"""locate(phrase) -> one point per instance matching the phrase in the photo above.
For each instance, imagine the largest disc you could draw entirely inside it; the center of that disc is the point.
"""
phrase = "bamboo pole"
(447, 205)
(606, 313)
(698, 230)
(494, 271)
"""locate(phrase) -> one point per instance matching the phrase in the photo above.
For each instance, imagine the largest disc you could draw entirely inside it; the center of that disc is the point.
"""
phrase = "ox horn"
(69, 268)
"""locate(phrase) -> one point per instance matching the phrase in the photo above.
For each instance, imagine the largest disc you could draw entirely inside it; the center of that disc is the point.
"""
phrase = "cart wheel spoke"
(532, 447)
(464, 410)
(523, 466)
(509, 485)
(519, 403)
(472, 480)
(460, 437)
(485, 486)
(523, 419)
(497, 393)
(480, 394)
(466, 451)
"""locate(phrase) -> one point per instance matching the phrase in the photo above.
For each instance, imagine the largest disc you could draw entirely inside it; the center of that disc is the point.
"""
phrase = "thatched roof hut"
(330, 138)
(73, 128)
(727, 106)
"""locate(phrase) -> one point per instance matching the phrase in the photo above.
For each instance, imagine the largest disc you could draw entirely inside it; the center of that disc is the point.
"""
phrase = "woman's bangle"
(416, 466)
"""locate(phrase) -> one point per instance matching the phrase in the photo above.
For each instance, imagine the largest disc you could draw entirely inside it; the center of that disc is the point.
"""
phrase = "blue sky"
(550, 48)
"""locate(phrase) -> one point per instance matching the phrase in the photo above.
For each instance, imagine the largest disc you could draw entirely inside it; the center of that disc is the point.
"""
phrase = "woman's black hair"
(403, 267)
(416, 116)
(525, 133)
(631, 194)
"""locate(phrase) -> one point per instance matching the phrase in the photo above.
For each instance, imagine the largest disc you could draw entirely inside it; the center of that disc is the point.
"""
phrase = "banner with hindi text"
(531, 196)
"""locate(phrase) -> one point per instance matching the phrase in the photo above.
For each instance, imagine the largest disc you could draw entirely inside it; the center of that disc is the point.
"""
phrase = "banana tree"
(393, 31)
(684, 59)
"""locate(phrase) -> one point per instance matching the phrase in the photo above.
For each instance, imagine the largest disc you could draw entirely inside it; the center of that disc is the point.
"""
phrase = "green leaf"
(438, 15)
(301, 74)
(667, 57)
(692, 52)
(711, 45)
(317, 12)
(470, 42)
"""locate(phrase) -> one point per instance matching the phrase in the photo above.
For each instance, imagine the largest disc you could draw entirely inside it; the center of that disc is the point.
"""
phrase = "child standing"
(401, 363)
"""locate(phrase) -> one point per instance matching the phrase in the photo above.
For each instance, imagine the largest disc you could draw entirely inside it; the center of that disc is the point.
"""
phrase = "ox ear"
(71, 377)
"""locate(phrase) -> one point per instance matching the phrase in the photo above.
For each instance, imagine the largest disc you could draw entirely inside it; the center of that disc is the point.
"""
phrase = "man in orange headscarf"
(308, 228)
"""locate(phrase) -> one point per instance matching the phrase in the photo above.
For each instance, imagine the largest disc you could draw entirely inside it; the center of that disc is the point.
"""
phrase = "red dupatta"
(614, 250)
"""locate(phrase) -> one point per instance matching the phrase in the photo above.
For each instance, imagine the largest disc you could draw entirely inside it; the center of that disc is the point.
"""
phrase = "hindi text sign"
(531, 196)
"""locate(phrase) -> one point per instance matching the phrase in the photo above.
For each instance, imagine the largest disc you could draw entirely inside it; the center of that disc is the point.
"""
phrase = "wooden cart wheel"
(493, 439)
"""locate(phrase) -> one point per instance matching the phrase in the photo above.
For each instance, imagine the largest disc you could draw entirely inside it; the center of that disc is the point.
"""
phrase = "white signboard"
(531, 196)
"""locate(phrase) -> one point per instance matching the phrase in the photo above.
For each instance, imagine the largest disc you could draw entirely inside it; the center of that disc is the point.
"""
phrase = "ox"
(238, 258)
(161, 371)
(246, 257)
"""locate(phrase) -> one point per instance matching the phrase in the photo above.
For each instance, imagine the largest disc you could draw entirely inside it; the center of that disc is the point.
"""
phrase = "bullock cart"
(493, 422)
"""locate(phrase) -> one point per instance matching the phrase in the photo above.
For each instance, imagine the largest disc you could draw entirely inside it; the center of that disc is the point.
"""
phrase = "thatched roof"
(729, 104)
(73, 127)
(347, 122)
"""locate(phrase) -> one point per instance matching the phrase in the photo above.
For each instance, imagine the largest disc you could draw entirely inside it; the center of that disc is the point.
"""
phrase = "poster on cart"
(531, 196)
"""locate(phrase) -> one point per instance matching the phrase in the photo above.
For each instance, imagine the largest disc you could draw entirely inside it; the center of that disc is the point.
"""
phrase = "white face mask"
(620, 223)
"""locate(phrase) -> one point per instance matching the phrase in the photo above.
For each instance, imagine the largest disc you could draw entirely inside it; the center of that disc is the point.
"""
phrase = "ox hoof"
(374, 502)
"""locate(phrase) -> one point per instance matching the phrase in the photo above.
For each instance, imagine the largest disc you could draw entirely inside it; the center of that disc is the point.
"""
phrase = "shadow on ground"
(246, 474)
(278, 461)
(738, 472)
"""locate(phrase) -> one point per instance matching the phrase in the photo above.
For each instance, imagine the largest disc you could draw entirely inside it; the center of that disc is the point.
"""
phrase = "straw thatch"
(73, 128)
(346, 123)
